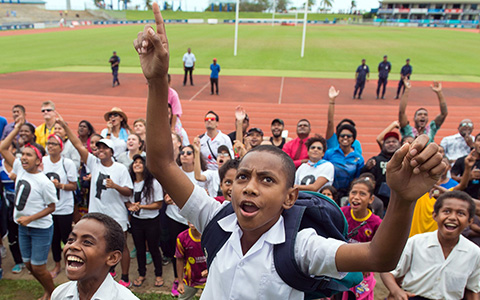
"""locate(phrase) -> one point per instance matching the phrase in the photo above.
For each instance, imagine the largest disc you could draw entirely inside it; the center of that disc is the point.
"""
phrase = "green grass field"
(331, 51)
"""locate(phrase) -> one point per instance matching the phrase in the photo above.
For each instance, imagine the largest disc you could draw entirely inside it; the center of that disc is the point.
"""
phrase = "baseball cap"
(279, 121)
(391, 134)
(223, 148)
(106, 142)
(255, 129)
(215, 59)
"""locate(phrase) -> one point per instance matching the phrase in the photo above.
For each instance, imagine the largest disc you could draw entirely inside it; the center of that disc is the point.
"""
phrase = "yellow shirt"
(422, 220)
(42, 133)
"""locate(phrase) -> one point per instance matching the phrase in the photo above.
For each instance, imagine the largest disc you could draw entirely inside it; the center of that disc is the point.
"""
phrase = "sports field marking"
(206, 84)
(281, 91)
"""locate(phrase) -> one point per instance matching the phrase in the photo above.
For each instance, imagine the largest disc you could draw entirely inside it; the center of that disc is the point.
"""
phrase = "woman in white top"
(145, 222)
(117, 129)
(134, 146)
(317, 172)
(35, 198)
(63, 173)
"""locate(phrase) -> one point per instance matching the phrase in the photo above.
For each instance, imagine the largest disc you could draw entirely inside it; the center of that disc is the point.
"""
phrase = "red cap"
(391, 134)
(215, 59)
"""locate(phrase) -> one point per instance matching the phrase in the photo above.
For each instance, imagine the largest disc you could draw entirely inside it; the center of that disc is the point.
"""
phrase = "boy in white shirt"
(263, 188)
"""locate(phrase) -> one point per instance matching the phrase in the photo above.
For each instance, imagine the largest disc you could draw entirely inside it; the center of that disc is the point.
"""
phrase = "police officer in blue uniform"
(383, 69)
(404, 74)
(115, 61)
(361, 75)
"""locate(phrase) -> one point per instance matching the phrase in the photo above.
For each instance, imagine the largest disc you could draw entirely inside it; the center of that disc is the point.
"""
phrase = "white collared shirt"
(455, 146)
(428, 274)
(233, 275)
(108, 290)
(189, 59)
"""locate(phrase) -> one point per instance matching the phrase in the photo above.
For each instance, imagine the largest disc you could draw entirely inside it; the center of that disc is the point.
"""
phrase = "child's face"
(452, 218)
(259, 192)
(327, 193)
(29, 160)
(359, 198)
(93, 145)
(227, 183)
(85, 252)
(133, 143)
(222, 157)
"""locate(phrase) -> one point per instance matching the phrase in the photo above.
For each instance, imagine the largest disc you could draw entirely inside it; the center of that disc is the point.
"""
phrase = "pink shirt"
(190, 249)
(366, 232)
(174, 101)
(291, 149)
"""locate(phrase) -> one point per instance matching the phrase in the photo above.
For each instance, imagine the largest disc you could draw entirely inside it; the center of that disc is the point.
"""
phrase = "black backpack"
(311, 210)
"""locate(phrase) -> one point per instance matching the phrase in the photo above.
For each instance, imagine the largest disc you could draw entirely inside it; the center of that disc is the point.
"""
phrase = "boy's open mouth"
(74, 262)
(450, 226)
(248, 207)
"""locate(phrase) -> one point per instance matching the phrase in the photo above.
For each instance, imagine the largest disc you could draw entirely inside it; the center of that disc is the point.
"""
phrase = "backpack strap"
(214, 237)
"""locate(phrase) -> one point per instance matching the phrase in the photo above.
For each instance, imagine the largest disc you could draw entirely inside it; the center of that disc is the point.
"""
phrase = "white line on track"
(205, 86)
(281, 91)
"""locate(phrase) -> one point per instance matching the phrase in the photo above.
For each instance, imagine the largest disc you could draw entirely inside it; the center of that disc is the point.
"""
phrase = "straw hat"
(117, 110)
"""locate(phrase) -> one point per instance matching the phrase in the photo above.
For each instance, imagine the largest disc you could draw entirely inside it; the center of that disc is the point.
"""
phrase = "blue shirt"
(333, 143)
(406, 70)
(362, 71)
(3, 124)
(215, 70)
(347, 167)
(383, 69)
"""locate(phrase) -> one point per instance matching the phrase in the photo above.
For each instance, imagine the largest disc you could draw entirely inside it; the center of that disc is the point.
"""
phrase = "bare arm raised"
(332, 95)
(73, 139)
(402, 115)
(437, 88)
(411, 172)
(152, 48)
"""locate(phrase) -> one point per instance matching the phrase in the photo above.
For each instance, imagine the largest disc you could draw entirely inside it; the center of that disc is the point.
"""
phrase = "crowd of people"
(164, 195)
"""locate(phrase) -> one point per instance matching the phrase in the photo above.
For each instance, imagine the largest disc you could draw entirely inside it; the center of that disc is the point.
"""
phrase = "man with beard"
(422, 126)
(377, 165)
(296, 148)
(276, 139)
(211, 140)
(459, 144)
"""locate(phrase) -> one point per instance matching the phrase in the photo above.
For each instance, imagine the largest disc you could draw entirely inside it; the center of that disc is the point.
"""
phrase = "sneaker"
(174, 289)
(125, 284)
(114, 274)
(133, 253)
(149, 258)
(165, 260)
(3, 251)
(18, 268)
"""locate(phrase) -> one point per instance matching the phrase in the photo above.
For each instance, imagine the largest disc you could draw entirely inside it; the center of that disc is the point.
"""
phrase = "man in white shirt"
(188, 65)
(459, 144)
(211, 140)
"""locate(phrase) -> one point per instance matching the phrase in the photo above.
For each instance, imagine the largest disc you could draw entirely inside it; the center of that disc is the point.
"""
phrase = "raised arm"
(411, 172)
(381, 136)
(5, 144)
(402, 116)
(152, 48)
(466, 176)
(240, 116)
(437, 88)
(332, 95)
(197, 166)
(73, 139)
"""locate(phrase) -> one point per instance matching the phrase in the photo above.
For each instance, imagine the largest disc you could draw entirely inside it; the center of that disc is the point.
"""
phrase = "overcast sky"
(200, 5)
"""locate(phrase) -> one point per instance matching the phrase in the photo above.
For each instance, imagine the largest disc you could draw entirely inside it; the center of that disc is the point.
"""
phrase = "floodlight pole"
(237, 8)
(304, 28)
(273, 14)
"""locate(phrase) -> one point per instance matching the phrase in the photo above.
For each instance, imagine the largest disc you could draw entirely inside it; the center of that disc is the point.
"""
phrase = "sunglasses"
(346, 135)
(52, 144)
(47, 110)
(224, 154)
(186, 152)
(113, 115)
(316, 147)
(467, 124)
(210, 119)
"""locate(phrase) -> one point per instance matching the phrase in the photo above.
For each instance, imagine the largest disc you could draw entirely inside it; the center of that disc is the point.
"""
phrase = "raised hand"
(152, 48)
(196, 144)
(333, 93)
(407, 83)
(240, 113)
(436, 87)
(60, 120)
(414, 169)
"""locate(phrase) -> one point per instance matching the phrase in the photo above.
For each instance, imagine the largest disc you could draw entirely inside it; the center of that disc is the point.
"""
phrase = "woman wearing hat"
(117, 129)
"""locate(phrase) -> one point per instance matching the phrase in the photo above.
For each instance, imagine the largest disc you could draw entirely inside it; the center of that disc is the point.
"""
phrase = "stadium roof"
(22, 2)
(221, 1)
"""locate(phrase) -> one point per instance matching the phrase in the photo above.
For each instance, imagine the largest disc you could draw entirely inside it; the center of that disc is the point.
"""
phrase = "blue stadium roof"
(22, 1)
